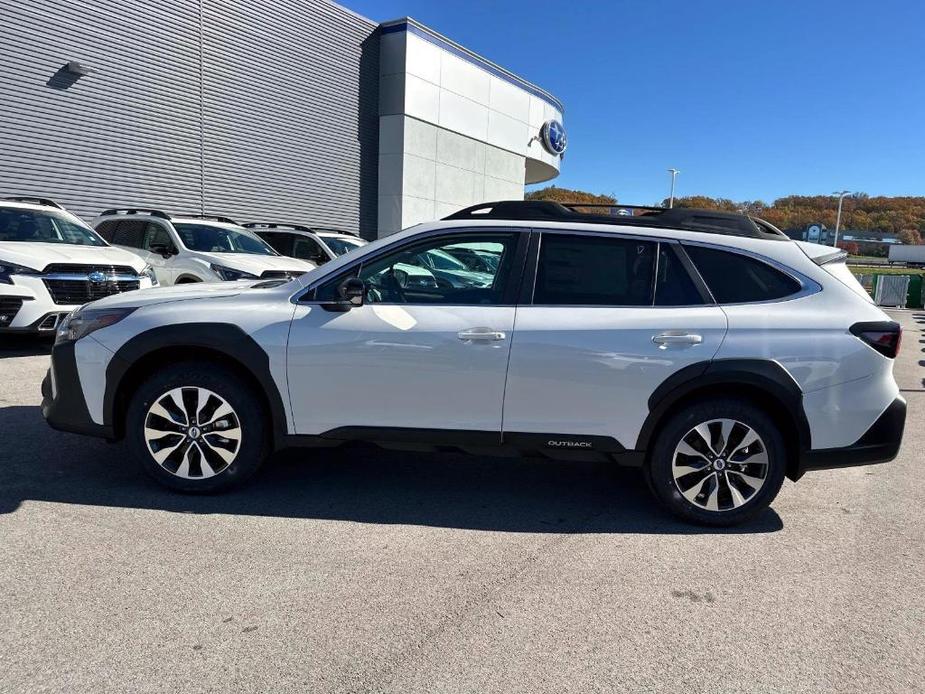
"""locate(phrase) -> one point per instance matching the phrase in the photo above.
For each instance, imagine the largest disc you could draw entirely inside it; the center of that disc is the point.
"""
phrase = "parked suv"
(51, 262)
(195, 248)
(706, 348)
(315, 244)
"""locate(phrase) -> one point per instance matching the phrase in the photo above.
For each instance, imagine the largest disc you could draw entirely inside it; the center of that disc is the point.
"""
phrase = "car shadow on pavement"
(24, 346)
(363, 484)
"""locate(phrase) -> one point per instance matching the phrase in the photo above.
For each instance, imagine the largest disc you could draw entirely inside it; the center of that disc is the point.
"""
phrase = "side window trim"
(692, 271)
(511, 292)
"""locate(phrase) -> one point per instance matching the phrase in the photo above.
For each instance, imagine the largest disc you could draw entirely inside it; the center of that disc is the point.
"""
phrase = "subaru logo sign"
(553, 137)
(97, 277)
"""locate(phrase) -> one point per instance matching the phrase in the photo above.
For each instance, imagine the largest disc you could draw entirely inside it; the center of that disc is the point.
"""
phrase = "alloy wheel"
(192, 432)
(720, 465)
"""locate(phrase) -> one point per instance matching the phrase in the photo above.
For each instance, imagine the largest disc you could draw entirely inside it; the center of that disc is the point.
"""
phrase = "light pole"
(841, 197)
(674, 173)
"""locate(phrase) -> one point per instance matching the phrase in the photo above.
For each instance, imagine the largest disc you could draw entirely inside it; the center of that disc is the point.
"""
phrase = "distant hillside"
(904, 216)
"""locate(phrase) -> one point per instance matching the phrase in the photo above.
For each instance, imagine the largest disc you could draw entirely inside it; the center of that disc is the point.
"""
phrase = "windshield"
(341, 245)
(208, 238)
(45, 226)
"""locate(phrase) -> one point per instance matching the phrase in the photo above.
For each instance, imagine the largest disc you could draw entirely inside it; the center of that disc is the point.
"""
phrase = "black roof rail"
(686, 218)
(210, 217)
(35, 201)
(135, 210)
(276, 225)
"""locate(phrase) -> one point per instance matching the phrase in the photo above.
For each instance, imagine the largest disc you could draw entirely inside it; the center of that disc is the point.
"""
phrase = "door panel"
(591, 370)
(392, 365)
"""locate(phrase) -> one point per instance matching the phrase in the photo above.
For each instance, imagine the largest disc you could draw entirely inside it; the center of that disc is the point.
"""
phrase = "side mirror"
(352, 290)
(163, 251)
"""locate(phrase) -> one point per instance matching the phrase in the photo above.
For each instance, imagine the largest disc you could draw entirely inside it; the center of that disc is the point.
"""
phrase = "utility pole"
(841, 197)
(674, 173)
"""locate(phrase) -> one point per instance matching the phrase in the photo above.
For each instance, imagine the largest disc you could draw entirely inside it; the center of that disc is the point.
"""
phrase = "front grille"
(280, 274)
(82, 291)
(9, 307)
(57, 268)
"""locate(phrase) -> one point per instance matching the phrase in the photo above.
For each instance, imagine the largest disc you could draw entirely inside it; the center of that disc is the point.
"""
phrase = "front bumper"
(879, 444)
(63, 404)
(28, 307)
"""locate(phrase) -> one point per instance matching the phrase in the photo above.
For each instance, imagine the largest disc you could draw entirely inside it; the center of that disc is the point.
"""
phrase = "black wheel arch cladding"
(766, 376)
(224, 338)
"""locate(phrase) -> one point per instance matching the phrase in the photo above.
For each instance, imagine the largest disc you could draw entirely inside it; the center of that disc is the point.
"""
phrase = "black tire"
(248, 422)
(661, 464)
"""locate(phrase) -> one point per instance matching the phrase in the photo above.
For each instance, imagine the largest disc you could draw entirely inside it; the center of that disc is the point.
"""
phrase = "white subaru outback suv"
(51, 262)
(195, 248)
(705, 347)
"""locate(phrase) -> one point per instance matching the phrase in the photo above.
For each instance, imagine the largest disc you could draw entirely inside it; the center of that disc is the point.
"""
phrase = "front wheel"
(718, 462)
(197, 427)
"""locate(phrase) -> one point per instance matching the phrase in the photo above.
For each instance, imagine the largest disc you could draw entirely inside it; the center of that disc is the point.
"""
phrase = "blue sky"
(750, 100)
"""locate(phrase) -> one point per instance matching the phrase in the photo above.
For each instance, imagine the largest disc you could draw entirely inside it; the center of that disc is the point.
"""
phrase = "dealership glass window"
(428, 273)
(734, 278)
(673, 284)
(585, 270)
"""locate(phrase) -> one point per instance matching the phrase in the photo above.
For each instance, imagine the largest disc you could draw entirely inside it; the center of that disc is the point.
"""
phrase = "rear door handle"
(481, 334)
(677, 339)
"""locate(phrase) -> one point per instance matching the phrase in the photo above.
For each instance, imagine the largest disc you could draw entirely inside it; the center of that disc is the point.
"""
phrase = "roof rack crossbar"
(135, 210)
(211, 217)
(683, 218)
(37, 201)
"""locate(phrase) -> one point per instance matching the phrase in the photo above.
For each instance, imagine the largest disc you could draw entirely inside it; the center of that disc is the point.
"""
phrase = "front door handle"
(677, 339)
(481, 334)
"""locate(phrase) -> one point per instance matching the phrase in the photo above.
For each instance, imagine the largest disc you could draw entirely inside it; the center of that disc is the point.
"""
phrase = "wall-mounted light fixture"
(76, 68)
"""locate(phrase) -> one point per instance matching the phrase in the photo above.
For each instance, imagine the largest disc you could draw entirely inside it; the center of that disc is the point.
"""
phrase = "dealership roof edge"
(414, 27)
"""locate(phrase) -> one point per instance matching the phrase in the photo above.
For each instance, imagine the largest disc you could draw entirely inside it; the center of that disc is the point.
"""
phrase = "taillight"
(885, 337)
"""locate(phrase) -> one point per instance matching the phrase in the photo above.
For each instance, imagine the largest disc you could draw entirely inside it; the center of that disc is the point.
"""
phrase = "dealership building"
(280, 110)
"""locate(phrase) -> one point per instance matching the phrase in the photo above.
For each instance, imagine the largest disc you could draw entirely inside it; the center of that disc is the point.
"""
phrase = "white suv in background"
(705, 347)
(315, 244)
(195, 248)
(51, 262)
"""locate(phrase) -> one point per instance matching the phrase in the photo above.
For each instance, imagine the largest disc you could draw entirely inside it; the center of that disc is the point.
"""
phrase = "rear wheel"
(718, 462)
(197, 427)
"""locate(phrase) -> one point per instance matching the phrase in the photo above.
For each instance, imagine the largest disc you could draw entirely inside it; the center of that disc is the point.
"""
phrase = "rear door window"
(107, 229)
(130, 233)
(586, 270)
(734, 278)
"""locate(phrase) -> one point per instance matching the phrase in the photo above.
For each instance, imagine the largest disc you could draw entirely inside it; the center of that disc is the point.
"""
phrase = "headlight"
(149, 273)
(82, 322)
(230, 274)
(8, 269)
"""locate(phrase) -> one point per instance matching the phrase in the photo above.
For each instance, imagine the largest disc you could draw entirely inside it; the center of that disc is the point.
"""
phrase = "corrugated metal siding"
(256, 110)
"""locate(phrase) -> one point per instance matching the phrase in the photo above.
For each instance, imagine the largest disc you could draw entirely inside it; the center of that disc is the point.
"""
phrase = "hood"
(38, 255)
(178, 292)
(258, 264)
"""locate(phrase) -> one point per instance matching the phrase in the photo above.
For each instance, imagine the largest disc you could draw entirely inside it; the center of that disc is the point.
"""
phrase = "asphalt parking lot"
(367, 570)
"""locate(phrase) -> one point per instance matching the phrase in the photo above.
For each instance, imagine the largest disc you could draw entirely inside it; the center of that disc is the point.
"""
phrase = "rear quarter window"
(734, 278)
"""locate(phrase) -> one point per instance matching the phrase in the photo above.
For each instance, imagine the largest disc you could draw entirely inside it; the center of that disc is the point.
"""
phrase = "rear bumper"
(63, 404)
(879, 444)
